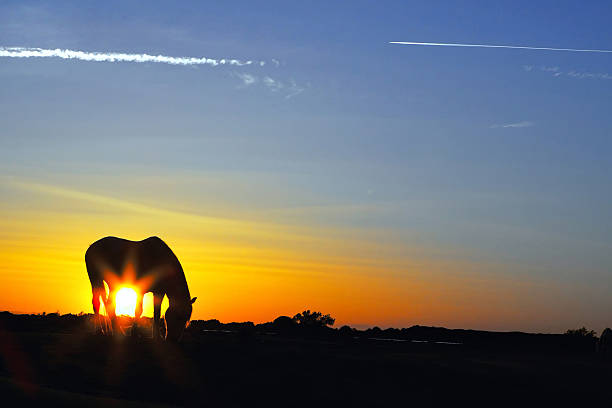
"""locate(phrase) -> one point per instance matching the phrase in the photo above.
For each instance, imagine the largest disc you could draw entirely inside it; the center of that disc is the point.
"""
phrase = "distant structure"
(147, 266)
(605, 342)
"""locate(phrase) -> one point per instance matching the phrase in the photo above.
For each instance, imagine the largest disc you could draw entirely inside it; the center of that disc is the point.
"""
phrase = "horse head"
(177, 316)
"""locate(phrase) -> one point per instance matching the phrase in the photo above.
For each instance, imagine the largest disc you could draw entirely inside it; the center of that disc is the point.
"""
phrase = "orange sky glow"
(255, 270)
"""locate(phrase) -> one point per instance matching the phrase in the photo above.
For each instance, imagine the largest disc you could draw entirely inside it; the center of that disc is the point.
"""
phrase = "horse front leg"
(110, 304)
(157, 301)
(137, 313)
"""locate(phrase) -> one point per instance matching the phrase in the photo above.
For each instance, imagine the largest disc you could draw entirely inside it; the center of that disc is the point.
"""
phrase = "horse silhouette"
(147, 266)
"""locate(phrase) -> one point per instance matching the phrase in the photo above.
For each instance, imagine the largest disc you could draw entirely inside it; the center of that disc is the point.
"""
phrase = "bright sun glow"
(126, 302)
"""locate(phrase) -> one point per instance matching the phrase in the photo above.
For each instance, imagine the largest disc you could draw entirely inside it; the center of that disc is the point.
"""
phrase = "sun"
(125, 302)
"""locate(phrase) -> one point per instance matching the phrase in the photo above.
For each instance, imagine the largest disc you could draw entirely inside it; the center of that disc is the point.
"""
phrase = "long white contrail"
(21, 52)
(519, 47)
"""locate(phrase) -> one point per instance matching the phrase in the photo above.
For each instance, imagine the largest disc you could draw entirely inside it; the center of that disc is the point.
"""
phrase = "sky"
(385, 184)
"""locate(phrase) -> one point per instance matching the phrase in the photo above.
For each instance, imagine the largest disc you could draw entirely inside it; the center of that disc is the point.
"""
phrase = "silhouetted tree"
(604, 346)
(582, 332)
(284, 323)
(199, 325)
(313, 319)
(374, 331)
(582, 339)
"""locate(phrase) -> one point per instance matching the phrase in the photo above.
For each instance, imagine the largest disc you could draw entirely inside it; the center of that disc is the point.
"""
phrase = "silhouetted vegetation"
(582, 339)
(309, 324)
(313, 319)
(582, 332)
(604, 344)
(245, 364)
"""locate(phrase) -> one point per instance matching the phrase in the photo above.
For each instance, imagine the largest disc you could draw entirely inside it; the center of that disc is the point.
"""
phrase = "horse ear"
(193, 300)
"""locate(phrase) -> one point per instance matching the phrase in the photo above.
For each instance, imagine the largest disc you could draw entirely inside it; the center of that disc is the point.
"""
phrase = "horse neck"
(178, 293)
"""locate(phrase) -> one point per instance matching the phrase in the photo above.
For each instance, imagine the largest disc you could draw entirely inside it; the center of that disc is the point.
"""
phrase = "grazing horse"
(605, 342)
(147, 266)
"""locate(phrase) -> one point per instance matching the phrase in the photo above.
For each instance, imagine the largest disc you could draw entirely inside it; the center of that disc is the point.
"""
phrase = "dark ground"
(60, 362)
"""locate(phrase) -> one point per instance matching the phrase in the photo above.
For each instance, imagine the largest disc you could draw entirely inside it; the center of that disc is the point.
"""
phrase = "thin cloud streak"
(136, 207)
(519, 47)
(235, 226)
(21, 52)
(522, 124)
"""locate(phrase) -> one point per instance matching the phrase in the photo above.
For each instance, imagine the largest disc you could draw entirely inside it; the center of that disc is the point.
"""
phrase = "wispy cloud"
(588, 75)
(247, 79)
(290, 88)
(20, 52)
(272, 84)
(553, 70)
(522, 124)
(293, 89)
(558, 72)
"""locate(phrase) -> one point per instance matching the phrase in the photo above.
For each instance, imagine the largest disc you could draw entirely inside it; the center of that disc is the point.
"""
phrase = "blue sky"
(478, 154)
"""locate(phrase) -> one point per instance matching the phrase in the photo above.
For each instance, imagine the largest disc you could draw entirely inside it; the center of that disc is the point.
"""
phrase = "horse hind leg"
(97, 293)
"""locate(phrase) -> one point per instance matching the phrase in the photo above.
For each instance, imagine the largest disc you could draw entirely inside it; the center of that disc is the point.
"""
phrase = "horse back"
(118, 255)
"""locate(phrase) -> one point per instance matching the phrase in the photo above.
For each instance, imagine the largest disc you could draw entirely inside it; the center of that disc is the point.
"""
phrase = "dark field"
(59, 361)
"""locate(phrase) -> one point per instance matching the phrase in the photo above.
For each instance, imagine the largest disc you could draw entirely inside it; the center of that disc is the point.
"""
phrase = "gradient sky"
(385, 184)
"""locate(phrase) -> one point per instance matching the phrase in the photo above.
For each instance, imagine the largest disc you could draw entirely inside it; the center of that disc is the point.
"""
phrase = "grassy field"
(224, 368)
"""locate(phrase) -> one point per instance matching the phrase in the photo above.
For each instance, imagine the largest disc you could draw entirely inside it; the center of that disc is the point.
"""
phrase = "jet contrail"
(519, 47)
(21, 52)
